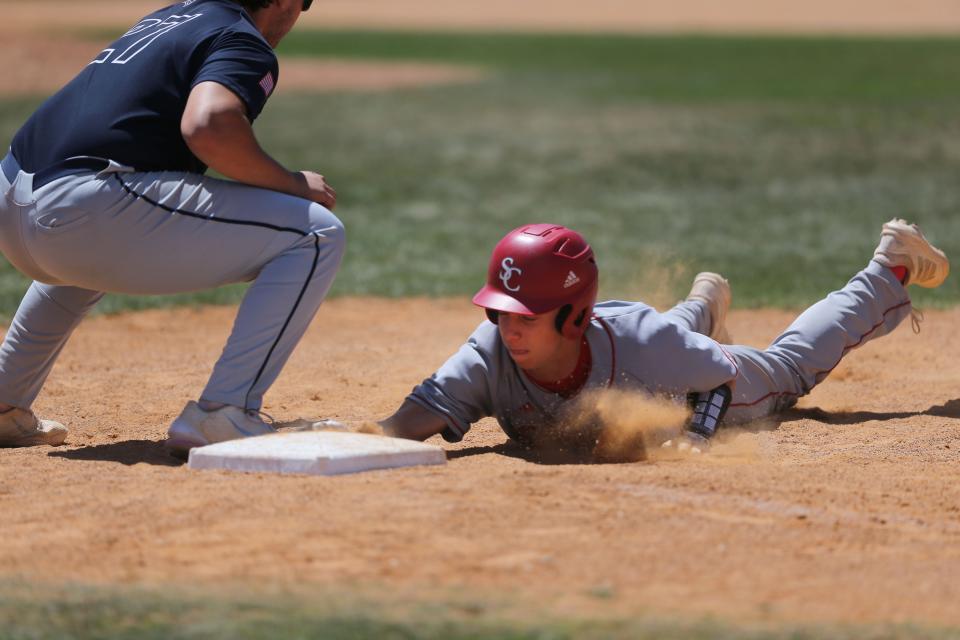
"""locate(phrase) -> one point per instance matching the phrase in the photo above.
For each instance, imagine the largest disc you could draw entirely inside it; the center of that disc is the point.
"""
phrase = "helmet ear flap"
(561, 318)
(575, 327)
(493, 315)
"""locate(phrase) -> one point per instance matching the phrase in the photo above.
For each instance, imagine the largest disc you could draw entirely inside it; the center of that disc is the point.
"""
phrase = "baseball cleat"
(714, 291)
(903, 245)
(195, 427)
(21, 428)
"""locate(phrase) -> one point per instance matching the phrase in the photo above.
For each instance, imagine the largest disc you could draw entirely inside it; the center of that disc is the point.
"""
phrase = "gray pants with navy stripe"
(872, 304)
(160, 233)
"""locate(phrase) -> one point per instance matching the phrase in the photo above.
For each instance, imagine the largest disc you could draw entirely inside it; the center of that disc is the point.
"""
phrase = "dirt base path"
(40, 55)
(849, 512)
(39, 67)
(768, 16)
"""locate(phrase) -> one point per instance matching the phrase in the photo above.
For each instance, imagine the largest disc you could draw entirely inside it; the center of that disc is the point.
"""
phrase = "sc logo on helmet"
(507, 272)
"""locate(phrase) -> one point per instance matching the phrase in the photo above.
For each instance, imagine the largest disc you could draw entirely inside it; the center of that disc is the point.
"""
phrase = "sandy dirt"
(847, 509)
(39, 67)
(645, 16)
(40, 55)
(776, 16)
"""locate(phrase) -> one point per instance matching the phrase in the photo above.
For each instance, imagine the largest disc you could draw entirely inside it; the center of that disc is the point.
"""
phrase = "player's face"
(533, 341)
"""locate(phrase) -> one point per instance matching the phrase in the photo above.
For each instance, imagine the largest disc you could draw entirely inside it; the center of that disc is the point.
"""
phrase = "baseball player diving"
(103, 189)
(545, 341)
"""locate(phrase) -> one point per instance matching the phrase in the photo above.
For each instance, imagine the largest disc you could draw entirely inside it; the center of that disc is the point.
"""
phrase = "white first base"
(319, 453)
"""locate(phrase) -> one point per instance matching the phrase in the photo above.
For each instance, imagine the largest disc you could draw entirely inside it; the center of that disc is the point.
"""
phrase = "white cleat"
(195, 427)
(713, 290)
(903, 245)
(21, 428)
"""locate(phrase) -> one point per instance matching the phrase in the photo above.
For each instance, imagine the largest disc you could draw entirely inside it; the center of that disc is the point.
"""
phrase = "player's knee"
(73, 300)
(329, 229)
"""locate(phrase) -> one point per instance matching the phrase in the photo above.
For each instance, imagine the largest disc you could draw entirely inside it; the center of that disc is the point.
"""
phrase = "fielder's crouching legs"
(162, 233)
(46, 317)
(274, 315)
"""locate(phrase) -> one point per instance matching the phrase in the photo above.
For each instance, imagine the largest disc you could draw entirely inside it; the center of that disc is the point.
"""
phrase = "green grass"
(80, 613)
(684, 68)
(773, 161)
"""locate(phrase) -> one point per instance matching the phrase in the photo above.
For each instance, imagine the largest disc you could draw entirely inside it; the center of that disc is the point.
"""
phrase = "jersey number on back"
(148, 30)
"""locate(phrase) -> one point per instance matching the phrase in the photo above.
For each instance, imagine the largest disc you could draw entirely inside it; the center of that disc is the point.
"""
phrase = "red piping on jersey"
(825, 371)
(772, 393)
(613, 350)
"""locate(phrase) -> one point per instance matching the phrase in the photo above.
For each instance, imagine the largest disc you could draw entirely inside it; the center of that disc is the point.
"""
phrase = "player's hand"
(302, 424)
(316, 189)
(328, 424)
(688, 444)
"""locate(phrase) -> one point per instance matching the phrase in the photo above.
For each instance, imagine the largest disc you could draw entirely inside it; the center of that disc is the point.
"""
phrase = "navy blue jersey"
(126, 105)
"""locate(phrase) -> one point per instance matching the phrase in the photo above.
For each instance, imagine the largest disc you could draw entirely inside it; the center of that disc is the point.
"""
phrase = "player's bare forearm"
(413, 422)
(216, 129)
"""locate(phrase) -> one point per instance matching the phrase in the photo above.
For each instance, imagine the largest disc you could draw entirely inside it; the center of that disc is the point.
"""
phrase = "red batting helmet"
(537, 268)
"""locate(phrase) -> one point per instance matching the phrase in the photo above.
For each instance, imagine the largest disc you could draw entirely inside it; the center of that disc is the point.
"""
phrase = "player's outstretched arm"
(413, 422)
(216, 129)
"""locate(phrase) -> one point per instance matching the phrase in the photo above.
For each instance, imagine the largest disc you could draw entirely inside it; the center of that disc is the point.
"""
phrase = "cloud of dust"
(367, 426)
(604, 426)
(629, 426)
(658, 281)
(733, 447)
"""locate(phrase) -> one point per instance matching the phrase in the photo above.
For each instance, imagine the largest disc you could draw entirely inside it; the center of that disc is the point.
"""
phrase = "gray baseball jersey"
(634, 347)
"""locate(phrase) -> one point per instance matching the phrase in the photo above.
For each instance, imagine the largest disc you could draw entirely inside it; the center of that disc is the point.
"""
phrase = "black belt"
(68, 167)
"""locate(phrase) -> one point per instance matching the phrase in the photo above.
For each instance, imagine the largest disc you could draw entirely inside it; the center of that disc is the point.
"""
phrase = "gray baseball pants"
(872, 304)
(160, 233)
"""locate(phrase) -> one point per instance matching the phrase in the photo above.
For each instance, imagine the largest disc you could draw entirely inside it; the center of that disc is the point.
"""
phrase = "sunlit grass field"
(74, 612)
(773, 161)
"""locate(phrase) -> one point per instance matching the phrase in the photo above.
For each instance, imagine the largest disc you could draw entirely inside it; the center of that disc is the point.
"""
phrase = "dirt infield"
(40, 67)
(646, 16)
(847, 510)
(42, 53)
(41, 56)
(768, 16)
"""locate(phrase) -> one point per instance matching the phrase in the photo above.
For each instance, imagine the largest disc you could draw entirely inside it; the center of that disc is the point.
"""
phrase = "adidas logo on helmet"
(571, 280)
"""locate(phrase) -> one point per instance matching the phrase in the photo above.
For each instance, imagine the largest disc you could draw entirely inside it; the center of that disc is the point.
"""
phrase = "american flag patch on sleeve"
(267, 83)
